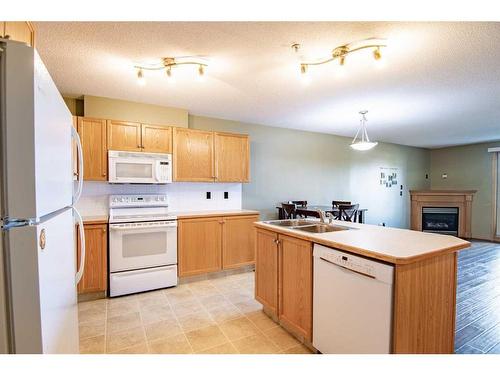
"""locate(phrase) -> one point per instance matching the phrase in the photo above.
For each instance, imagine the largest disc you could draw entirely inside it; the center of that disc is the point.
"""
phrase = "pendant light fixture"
(361, 142)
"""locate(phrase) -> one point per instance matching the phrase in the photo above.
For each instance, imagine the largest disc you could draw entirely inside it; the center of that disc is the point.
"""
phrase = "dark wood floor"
(478, 300)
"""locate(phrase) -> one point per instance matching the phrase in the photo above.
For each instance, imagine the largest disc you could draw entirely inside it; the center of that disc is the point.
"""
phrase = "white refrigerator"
(38, 276)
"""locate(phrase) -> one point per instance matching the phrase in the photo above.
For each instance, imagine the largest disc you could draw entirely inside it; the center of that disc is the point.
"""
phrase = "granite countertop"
(393, 245)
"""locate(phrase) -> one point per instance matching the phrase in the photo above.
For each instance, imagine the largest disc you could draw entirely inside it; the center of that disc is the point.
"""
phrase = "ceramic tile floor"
(218, 316)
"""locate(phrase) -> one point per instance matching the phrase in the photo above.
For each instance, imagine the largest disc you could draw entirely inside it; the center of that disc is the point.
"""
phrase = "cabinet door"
(266, 269)
(295, 284)
(95, 273)
(95, 157)
(232, 157)
(124, 136)
(199, 245)
(21, 31)
(193, 156)
(238, 244)
(156, 138)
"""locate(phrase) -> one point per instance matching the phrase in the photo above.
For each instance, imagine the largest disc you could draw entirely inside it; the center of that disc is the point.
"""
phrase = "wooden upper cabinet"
(193, 155)
(94, 147)
(200, 245)
(296, 284)
(124, 136)
(266, 270)
(232, 157)
(21, 31)
(156, 138)
(95, 273)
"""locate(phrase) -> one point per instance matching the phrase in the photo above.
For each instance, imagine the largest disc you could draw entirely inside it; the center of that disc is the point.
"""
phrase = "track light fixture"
(167, 63)
(341, 52)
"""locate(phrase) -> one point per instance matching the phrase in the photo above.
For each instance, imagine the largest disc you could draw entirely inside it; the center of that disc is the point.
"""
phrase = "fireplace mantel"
(443, 198)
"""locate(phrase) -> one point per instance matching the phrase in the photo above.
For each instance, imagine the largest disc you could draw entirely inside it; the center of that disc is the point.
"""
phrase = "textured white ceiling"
(439, 84)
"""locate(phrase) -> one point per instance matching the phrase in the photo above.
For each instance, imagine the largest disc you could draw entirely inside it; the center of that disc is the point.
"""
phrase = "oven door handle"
(130, 228)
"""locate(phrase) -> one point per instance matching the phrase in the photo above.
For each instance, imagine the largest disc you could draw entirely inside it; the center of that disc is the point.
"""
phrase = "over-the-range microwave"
(139, 167)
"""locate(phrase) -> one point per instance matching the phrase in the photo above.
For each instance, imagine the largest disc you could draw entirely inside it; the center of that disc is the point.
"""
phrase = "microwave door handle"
(157, 170)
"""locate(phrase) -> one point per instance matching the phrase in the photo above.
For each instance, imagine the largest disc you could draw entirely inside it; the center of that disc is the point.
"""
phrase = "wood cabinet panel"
(232, 157)
(200, 245)
(296, 284)
(238, 247)
(156, 138)
(193, 155)
(424, 306)
(95, 157)
(96, 248)
(20, 31)
(124, 136)
(266, 269)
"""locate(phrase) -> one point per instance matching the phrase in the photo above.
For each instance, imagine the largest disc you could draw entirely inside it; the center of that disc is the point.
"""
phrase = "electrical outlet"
(400, 193)
(426, 176)
(444, 176)
(226, 195)
(209, 195)
(382, 224)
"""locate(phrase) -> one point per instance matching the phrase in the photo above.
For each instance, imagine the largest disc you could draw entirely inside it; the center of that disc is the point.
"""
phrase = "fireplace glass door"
(442, 220)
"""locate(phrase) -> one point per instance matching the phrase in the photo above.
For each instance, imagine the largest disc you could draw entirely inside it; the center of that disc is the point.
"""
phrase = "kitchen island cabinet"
(425, 266)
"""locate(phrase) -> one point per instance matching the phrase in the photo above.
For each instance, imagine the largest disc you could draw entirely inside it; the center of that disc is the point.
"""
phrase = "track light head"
(303, 68)
(377, 54)
(201, 70)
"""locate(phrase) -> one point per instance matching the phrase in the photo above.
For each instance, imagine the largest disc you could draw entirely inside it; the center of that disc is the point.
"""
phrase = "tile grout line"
(178, 322)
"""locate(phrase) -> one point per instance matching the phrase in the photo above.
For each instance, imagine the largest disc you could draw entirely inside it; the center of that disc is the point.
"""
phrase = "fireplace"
(442, 220)
(446, 211)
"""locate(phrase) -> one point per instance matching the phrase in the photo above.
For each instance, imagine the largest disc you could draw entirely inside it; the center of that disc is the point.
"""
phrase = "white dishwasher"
(352, 303)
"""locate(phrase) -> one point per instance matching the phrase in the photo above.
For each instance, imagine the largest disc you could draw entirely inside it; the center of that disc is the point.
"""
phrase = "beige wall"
(289, 164)
(468, 167)
(95, 106)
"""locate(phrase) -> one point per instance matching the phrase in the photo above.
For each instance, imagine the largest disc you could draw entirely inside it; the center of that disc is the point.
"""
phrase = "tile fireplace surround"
(443, 198)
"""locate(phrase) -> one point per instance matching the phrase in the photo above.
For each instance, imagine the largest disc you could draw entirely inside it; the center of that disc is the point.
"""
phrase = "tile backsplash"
(182, 196)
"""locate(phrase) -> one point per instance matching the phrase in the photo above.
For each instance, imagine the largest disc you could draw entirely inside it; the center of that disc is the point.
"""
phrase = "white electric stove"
(142, 244)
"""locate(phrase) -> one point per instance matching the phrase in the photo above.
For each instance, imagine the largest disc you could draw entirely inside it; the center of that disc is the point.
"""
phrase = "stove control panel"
(142, 200)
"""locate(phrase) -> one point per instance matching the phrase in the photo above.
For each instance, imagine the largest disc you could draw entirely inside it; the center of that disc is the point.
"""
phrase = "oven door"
(142, 245)
(132, 170)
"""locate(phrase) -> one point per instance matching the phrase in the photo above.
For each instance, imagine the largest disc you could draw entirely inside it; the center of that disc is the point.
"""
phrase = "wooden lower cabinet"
(266, 269)
(284, 280)
(296, 285)
(199, 245)
(238, 241)
(215, 243)
(95, 274)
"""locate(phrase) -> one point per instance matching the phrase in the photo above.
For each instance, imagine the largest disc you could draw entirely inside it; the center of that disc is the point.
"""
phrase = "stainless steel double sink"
(310, 226)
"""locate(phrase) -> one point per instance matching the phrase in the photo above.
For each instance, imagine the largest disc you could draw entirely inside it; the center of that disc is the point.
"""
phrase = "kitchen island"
(424, 281)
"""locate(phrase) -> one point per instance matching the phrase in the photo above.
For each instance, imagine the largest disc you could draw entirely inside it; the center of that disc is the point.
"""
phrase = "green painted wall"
(289, 164)
(468, 167)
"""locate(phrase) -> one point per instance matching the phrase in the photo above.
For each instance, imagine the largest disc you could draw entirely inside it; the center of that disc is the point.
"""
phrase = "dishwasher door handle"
(348, 269)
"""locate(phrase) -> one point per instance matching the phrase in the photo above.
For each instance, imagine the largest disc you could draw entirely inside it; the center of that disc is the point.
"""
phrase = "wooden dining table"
(311, 210)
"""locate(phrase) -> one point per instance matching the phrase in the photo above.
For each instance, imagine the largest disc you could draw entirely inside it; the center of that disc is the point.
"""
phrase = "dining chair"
(300, 203)
(336, 204)
(289, 210)
(348, 212)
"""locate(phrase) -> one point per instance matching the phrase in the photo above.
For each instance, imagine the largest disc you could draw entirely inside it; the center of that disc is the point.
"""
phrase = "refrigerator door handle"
(81, 234)
(76, 137)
